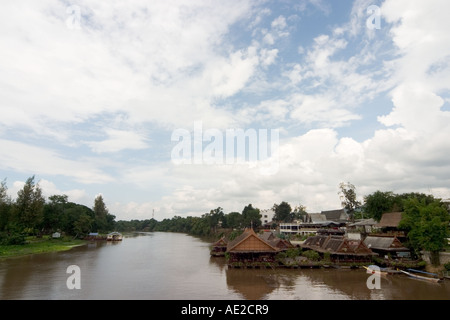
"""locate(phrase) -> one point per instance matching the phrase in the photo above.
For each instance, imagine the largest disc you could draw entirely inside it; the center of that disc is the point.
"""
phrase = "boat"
(376, 270)
(419, 277)
(114, 236)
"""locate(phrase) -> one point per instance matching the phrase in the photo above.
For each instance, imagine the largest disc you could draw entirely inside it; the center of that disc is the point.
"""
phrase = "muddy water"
(170, 266)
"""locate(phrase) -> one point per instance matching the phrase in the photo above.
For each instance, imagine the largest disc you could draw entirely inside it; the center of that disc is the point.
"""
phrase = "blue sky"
(91, 93)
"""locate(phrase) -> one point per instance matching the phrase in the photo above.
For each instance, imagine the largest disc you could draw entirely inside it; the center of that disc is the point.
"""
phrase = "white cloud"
(119, 140)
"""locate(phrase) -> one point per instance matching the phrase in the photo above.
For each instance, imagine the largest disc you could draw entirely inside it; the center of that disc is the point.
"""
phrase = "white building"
(267, 216)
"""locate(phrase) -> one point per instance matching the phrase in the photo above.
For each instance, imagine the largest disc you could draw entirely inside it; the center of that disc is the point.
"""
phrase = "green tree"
(102, 221)
(299, 213)
(427, 225)
(29, 205)
(5, 206)
(233, 220)
(53, 212)
(283, 212)
(251, 217)
(377, 203)
(348, 198)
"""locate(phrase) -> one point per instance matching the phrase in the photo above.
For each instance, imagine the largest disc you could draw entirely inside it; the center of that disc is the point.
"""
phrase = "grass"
(36, 246)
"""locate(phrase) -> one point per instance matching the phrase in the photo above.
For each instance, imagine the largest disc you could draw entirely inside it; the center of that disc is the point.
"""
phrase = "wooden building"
(249, 248)
(219, 248)
(341, 249)
(387, 246)
(389, 223)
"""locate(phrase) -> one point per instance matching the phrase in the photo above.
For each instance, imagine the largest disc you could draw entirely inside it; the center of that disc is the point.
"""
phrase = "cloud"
(22, 157)
(119, 140)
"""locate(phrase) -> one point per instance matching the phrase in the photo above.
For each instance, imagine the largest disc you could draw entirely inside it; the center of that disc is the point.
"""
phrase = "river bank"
(39, 245)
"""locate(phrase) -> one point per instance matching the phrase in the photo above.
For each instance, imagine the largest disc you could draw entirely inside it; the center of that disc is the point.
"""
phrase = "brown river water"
(173, 266)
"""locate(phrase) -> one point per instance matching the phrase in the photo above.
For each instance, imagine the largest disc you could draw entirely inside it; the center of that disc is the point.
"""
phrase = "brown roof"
(249, 241)
(337, 245)
(384, 243)
(390, 219)
(220, 243)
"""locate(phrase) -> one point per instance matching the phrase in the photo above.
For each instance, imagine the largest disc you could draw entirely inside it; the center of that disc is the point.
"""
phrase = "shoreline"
(38, 247)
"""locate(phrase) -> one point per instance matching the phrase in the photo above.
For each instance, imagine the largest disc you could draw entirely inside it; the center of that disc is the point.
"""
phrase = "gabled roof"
(220, 243)
(316, 217)
(337, 245)
(390, 219)
(249, 241)
(384, 243)
(335, 215)
(267, 235)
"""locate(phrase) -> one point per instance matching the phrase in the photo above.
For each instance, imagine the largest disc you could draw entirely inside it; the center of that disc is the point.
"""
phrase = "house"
(340, 249)
(387, 246)
(360, 229)
(339, 215)
(389, 223)
(250, 248)
(267, 217)
(219, 248)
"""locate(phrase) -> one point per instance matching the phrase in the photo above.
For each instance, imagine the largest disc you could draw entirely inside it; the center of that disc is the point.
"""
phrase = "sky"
(138, 100)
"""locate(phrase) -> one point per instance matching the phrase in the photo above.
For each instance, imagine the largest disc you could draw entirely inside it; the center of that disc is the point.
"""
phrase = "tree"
(377, 203)
(251, 217)
(53, 212)
(283, 212)
(30, 205)
(5, 206)
(427, 225)
(233, 220)
(299, 213)
(100, 214)
(348, 198)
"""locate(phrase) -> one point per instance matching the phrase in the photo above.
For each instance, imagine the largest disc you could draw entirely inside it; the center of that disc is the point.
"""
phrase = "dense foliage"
(31, 214)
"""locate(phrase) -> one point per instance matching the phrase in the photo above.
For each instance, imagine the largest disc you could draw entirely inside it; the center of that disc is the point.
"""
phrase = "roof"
(220, 243)
(390, 219)
(249, 241)
(384, 243)
(267, 235)
(316, 217)
(363, 222)
(335, 215)
(337, 245)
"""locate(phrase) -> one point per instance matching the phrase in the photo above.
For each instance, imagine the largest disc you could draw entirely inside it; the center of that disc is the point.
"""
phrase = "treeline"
(31, 214)
(206, 225)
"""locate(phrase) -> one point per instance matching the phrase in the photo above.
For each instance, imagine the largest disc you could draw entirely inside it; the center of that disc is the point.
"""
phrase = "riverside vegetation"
(30, 219)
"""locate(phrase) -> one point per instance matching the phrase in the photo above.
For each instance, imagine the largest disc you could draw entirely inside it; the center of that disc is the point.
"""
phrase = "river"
(173, 266)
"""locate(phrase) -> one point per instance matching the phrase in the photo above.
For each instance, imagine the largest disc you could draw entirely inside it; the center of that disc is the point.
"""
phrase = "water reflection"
(176, 266)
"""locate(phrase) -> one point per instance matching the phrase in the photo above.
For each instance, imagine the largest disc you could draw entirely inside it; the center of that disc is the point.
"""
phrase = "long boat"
(416, 276)
(378, 270)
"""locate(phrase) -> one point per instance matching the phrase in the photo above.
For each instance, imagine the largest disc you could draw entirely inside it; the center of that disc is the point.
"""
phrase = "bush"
(447, 266)
(13, 238)
(311, 255)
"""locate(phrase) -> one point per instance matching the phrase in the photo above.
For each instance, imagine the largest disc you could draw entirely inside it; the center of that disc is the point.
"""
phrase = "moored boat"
(114, 236)
(419, 277)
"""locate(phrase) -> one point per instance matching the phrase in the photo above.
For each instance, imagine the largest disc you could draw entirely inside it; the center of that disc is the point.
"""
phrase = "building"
(249, 248)
(339, 215)
(267, 217)
(360, 229)
(219, 248)
(387, 246)
(389, 223)
(340, 249)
